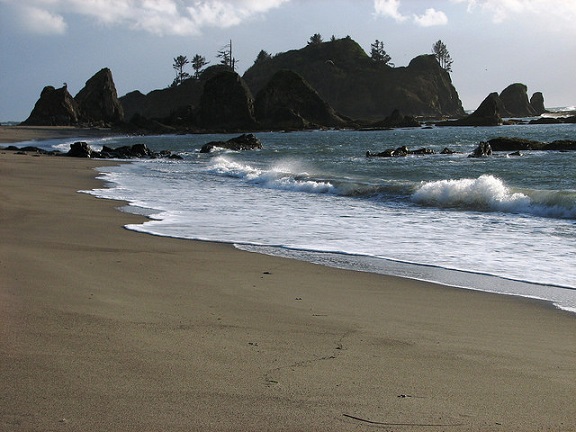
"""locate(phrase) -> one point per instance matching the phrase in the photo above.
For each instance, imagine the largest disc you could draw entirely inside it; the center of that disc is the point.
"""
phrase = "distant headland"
(333, 84)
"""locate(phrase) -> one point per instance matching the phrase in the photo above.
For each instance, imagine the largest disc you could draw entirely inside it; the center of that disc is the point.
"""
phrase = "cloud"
(431, 17)
(162, 17)
(503, 10)
(391, 9)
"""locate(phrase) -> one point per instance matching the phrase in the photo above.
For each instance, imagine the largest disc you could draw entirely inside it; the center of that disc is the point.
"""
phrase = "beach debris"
(401, 424)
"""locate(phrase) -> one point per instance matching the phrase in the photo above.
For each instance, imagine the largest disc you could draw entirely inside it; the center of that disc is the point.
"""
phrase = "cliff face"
(358, 87)
(515, 101)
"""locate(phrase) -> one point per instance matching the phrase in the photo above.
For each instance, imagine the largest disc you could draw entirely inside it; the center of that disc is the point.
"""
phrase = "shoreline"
(107, 328)
(17, 134)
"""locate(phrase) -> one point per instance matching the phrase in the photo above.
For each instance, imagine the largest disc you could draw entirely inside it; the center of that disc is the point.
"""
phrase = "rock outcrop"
(56, 107)
(137, 151)
(515, 101)
(487, 114)
(537, 103)
(288, 102)
(360, 88)
(98, 101)
(240, 143)
(517, 144)
(226, 104)
(484, 149)
(396, 120)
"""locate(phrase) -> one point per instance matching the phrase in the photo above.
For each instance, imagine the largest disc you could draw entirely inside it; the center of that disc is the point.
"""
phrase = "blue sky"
(493, 42)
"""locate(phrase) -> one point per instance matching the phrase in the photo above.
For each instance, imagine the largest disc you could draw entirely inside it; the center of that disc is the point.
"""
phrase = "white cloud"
(40, 21)
(391, 9)
(503, 10)
(175, 17)
(431, 17)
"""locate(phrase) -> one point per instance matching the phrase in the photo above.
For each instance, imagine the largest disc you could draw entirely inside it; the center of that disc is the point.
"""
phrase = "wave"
(278, 177)
(489, 193)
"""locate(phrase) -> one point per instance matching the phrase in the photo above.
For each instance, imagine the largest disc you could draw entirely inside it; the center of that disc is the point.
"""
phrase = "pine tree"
(179, 63)
(442, 55)
(378, 54)
(198, 62)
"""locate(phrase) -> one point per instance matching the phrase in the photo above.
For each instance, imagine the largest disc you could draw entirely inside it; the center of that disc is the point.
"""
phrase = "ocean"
(504, 224)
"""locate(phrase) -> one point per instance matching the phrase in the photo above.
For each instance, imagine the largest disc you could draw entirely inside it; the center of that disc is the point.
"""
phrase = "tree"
(262, 57)
(179, 63)
(378, 54)
(315, 39)
(442, 55)
(198, 62)
(225, 54)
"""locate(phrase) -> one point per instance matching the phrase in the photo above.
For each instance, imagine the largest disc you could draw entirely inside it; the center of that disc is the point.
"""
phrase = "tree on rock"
(226, 57)
(198, 62)
(179, 63)
(262, 57)
(378, 54)
(442, 55)
(315, 39)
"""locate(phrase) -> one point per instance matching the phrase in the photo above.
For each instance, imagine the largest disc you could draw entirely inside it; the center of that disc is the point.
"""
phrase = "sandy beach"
(108, 329)
(11, 134)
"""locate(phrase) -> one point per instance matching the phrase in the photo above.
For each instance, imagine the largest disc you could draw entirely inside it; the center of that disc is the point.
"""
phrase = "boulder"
(56, 107)
(242, 142)
(98, 101)
(537, 103)
(515, 101)
(226, 104)
(482, 150)
(80, 149)
(136, 151)
(289, 102)
(514, 144)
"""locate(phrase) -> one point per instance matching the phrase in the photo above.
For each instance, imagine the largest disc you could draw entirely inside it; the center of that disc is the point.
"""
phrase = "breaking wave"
(489, 193)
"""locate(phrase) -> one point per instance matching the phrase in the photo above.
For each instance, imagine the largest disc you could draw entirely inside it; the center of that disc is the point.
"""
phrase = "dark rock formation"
(226, 104)
(487, 114)
(396, 120)
(515, 101)
(136, 151)
(98, 101)
(514, 144)
(400, 152)
(288, 102)
(505, 144)
(482, 150)
(56, 107)
(554, 120)
(358, 87)
(537, 103)
(242, 142)
(165, 103)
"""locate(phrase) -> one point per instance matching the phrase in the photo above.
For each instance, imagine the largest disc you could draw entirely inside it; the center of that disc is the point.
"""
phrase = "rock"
(56, 107)
(516, 153)
(357, 87)
(288, 102)
(447, 151)
(514, 144)
(400, 152)
(136, 151)
(98, 101)
(80, 149)
(482, 150)
(242, 142)
(546, 120)
(487, 114)
(561, 145)
(515, 101)
(226, 104)
(396, 120)
(537, 103)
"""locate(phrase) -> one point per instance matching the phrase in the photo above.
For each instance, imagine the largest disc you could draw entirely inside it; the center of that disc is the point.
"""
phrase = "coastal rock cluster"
(97, 104)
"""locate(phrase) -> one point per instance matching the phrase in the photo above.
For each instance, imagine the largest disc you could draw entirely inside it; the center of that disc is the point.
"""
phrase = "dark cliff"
(98, 101)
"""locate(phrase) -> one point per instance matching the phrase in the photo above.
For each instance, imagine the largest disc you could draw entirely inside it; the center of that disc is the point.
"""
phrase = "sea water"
(503, 223)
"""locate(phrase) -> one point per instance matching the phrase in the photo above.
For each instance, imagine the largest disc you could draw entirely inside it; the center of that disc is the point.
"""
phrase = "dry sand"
(10, 134)
(104, 329)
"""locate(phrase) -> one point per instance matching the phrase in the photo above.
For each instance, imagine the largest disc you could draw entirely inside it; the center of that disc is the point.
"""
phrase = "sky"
(493, 43)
